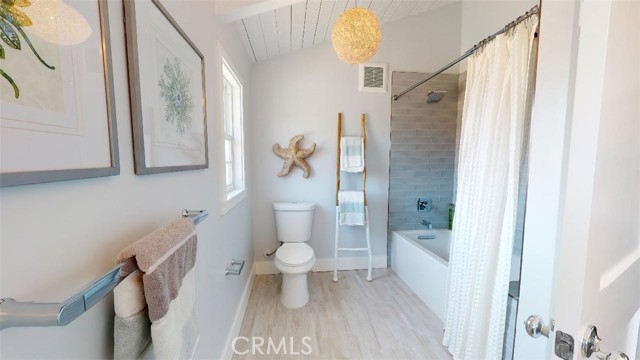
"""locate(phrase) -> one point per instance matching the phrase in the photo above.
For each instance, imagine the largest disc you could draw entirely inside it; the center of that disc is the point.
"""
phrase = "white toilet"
(294, 258)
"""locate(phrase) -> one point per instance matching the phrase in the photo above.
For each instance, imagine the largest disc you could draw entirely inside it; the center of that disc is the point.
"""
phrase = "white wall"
(481, 18)
(57, 237)
(302, 93)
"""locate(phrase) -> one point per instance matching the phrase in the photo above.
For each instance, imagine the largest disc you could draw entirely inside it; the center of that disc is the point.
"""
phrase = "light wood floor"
(351, 319)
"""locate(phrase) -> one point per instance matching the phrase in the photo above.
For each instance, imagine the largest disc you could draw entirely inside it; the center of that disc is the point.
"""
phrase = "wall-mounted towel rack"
(14, 313)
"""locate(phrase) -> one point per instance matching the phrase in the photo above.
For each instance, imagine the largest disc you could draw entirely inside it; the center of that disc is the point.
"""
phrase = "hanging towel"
(351, 154)
(351, 208)
(154, 303)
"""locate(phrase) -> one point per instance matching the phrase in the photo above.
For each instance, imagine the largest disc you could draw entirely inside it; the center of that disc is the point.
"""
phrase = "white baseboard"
(227, 352)
(326, 264)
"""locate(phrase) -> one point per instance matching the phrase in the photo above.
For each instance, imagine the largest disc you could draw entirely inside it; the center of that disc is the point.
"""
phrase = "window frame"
(232, 193)
(228, 136)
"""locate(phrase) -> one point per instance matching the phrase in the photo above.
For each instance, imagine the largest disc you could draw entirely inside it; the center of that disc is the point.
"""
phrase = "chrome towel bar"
(14, 313)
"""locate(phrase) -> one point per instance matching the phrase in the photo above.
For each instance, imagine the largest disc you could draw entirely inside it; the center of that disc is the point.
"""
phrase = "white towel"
(154, 303)
(351, 154)
(351, 208)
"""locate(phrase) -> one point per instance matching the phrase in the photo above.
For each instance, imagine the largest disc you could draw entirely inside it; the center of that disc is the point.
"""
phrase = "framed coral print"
(57, 109)
(166, 84)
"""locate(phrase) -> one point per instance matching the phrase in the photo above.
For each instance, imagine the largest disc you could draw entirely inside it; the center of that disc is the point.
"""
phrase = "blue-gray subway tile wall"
(423, 151)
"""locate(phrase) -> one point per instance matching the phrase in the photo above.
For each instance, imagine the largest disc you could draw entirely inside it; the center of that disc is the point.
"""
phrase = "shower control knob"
(535, 327)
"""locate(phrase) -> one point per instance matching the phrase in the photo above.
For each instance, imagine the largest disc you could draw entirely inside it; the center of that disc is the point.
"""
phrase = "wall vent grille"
(373, 78)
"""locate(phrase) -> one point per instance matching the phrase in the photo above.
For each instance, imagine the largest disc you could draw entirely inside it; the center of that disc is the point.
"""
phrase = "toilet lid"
(294, 254)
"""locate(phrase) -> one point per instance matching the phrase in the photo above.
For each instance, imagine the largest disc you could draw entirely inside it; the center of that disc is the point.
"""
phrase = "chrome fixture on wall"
(235, 267)
(435, 96)
(426, 223)
(17, 313)
(424, 204)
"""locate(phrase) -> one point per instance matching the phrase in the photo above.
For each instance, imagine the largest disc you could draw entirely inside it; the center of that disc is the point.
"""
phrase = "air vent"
(373, 78)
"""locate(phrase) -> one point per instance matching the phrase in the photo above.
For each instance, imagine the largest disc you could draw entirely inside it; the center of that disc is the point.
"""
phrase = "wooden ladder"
(366, 207)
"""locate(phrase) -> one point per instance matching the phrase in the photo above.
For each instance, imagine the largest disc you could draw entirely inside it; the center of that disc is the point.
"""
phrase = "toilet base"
(295, 291)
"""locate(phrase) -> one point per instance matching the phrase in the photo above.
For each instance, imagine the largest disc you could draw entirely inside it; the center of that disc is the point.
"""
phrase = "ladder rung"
(353, 249)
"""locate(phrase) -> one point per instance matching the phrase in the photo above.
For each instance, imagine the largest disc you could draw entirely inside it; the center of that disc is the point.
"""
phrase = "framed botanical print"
(166, 84)
(57, 109)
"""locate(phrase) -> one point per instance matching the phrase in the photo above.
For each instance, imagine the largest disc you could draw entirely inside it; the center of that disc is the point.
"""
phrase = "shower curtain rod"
(511, 25)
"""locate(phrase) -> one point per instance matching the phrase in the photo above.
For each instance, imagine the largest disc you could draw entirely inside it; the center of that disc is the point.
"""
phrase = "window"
(233, 183)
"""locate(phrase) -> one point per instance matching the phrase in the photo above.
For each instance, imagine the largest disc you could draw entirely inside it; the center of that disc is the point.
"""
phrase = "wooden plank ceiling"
(308, 23)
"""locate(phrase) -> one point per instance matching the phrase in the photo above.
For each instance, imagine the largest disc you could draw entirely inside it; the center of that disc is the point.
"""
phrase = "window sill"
(233, 199)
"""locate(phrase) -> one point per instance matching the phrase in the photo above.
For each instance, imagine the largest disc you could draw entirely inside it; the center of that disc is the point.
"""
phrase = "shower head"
(435, 96)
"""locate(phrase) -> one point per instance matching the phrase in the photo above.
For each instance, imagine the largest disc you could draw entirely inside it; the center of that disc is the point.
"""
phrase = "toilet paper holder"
(234, 267)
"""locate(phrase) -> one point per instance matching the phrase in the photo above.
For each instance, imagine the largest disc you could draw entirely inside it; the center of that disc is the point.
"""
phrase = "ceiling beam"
(231, 10)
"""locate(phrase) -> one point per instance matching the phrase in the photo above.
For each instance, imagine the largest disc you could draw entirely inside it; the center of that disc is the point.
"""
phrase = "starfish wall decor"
(294, 156)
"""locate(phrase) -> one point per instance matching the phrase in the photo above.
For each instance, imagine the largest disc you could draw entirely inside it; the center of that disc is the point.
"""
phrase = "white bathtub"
(423, 265)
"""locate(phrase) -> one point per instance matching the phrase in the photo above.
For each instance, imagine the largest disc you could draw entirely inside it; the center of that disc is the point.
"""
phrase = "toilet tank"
(293, 221)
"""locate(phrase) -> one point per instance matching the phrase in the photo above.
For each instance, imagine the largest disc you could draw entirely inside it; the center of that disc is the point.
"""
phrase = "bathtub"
(423, 265)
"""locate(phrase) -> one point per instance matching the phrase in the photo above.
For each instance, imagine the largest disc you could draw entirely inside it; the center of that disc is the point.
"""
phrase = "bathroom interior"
(419, 198)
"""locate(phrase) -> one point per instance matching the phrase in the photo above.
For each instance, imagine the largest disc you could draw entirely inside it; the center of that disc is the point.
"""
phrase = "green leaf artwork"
(11, 17)
(175, 92)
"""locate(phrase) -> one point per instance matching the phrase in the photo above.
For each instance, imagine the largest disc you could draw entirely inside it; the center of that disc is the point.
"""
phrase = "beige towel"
(154, 304)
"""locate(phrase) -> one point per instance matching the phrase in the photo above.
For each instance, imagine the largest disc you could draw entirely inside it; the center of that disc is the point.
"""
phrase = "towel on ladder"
(351, 208)
(154, 303)
(351, 154)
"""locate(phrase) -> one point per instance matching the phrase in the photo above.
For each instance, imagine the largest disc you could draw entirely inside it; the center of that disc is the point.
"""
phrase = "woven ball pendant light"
(356, 35)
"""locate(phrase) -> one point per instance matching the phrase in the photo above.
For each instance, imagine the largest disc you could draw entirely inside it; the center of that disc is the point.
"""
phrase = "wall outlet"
(424, 204)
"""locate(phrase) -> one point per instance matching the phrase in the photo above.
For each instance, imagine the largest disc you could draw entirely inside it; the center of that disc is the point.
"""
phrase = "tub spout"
(426, 223)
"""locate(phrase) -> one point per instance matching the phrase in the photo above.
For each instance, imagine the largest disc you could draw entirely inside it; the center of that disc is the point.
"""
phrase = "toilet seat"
(295, 254)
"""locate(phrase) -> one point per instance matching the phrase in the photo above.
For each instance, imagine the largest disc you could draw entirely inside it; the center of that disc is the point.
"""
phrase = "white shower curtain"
(495, 118)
